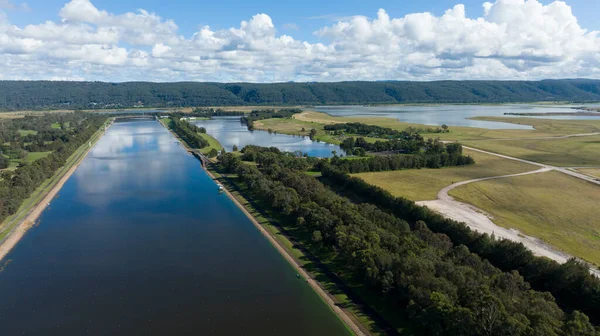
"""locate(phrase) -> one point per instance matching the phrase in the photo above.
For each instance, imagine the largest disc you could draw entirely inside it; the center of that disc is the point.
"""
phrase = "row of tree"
(400, 161)
(570, 283)
(374, 131)
(209, 112)
(189, 133)
(442, 287)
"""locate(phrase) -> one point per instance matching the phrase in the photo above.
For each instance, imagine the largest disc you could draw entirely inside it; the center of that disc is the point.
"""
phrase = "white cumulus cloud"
(505, 39)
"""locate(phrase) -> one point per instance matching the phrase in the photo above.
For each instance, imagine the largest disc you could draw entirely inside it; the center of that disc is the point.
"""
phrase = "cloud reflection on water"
(129, 161)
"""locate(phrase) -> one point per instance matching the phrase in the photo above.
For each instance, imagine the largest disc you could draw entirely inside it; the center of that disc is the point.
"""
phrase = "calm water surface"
(454, 115)
(229, 131)
(140, 242)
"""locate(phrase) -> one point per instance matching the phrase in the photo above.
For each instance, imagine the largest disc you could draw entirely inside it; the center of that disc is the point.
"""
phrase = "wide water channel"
(140, 242)
(229, 131)
(457, 115)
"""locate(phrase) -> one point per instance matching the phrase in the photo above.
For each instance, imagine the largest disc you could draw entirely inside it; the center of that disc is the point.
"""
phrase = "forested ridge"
(439, 284)
(19, 95)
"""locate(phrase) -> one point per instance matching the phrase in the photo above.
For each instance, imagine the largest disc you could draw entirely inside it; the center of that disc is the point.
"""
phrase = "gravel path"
(476, 219)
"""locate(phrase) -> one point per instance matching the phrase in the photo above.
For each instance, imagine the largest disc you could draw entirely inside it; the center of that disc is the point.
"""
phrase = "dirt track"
(476, 218)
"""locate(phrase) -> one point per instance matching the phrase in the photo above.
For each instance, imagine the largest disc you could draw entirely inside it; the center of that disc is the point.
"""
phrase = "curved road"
(476, 219)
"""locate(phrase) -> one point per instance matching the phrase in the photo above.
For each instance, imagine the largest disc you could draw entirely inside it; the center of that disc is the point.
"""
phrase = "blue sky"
(311, 40)
(308, 15)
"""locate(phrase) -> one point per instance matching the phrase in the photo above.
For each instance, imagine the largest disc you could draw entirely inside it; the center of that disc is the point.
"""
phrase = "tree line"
(189, 132)
(210, 112)
(24, 95)
(441, 286)
(374, 131)
(16, 186)
(448, 155)
(570, 283)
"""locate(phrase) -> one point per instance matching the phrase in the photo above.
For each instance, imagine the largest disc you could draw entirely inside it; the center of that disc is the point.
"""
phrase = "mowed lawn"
(560, 209)
(567, 152)
(424, 184)
(212, 143)
(27, 132)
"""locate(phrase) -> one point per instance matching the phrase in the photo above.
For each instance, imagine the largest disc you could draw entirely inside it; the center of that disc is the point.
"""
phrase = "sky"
(311, 40)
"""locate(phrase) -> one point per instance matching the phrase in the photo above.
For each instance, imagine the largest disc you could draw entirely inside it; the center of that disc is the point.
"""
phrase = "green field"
(567, 152)
(32, 156)
(424, 184)
(560, 209)
(56, 125)
(212, 143)
(27, 132)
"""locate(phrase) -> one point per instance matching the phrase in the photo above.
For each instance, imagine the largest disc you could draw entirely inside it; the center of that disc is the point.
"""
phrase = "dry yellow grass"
(595, 172)
(560, 209)
(424, 184)
(566, 152)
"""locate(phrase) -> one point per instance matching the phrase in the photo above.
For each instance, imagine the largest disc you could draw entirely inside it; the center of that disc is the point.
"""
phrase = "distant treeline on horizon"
(22, 95)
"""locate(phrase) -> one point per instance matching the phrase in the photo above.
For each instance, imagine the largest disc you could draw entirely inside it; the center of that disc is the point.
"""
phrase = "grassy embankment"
(319, 264)
(11, 221)
(560, 209)
(424, 184)
(212, 142)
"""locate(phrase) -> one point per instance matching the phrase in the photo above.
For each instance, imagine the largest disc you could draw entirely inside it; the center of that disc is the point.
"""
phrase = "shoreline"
(326, 297)
(20, 229)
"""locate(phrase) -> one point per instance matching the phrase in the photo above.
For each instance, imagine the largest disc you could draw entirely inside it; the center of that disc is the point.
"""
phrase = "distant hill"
(20, 95)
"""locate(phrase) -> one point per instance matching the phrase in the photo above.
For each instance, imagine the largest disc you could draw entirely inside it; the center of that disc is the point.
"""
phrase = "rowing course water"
(139, 241)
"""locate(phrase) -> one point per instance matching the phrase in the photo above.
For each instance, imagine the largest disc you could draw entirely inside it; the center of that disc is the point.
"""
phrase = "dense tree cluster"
(443, 287)
(18, 185)
(445, 156)
(21, 95)
(571, 283)
(189, 133)
(267, 114)
(373, 131)
(213, 112)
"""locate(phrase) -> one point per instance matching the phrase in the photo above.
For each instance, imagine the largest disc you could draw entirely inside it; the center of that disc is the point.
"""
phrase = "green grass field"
(424, 184)
(27, 132)
(33, 156)
(568, 152)
(56, 125)
(560, 209)
(212, 143)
